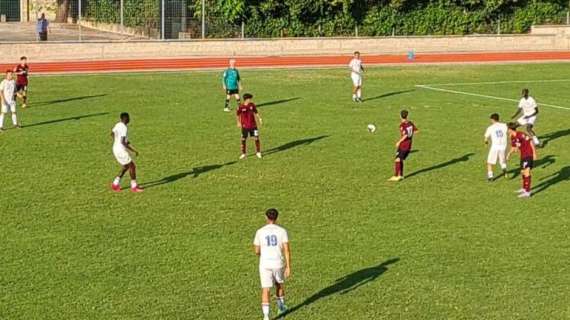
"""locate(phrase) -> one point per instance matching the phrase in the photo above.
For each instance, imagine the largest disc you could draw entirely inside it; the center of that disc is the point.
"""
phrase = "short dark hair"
(404, 114)
(512, 125)
(9, 71)
(272, 214)
(356, 52)
(247, 96)
(124, 115)
(525, 91)
(23, 58)
(495, 116)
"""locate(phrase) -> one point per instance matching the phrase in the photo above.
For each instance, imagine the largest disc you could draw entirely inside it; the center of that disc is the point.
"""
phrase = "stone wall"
(547, 38)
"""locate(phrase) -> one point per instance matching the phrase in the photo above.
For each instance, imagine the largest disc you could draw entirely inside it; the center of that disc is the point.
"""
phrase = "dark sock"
(257, 145)
(397, 168)
(227, 103)
(528, 179)
(401, 168)
(243, 147)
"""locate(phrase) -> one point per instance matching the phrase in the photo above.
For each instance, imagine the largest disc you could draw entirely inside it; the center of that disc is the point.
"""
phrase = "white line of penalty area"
(484, 96)
(455, 84)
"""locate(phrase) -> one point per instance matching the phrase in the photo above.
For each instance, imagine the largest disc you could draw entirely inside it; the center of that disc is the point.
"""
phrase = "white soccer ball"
(371, 128)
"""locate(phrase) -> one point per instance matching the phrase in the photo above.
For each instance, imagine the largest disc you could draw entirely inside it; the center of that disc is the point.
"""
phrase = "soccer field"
(442, 244)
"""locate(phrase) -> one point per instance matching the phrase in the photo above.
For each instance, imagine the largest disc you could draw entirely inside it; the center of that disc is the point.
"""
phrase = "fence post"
(122, 17)
(162, 20)
(79, 18)
(567, 17)
(242, 29)
(499, 26)
(203, 19)
(356, 31)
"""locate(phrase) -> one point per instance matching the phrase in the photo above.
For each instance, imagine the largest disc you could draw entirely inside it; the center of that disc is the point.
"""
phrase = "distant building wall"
(544, 39)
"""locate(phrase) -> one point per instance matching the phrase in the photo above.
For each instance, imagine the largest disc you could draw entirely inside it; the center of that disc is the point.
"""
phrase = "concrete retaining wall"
(543, 38)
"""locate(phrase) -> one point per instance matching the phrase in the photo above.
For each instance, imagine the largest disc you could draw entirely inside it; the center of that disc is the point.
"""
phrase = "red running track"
(288, 61)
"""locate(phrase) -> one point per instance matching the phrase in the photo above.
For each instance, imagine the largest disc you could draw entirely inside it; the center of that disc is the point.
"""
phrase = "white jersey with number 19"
(271, 239)
(497, 133)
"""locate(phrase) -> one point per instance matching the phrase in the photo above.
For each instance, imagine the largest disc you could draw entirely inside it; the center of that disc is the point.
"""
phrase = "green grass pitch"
(442, 244)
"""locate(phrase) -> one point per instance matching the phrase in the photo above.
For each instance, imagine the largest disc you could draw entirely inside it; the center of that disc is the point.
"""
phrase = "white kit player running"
(121, 149)
(271, 244)
(356, 70)
(8, 99)
(497, 133)
(529, 109)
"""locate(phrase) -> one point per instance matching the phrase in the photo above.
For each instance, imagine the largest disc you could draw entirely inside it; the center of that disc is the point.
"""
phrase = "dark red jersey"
(407, 130)
(524, 142)
(22, 74)
(246, 114)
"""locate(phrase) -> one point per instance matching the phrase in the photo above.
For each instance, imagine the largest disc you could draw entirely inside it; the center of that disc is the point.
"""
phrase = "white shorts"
(269, 277)
(123, 157)
(8, 107)
(524, 121)
(496, 153)
(356, 79)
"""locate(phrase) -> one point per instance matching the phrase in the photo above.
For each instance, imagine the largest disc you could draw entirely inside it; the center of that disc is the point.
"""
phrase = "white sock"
(535, 140)
(117, 181)
(490, 174)
(133, 183)
(14, 119)
(359, 93)
(504, 166)
(281, 302)
(353, 96)
(1, 120)
(265, 309)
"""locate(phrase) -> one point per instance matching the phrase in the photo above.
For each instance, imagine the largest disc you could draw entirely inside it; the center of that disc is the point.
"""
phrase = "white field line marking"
(494, 82)
(484, 96)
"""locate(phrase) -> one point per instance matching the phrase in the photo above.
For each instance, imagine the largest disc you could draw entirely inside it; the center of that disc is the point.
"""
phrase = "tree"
(62, 11)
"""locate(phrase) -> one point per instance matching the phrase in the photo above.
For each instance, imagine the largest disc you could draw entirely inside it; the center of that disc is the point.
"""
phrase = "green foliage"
(298, 18)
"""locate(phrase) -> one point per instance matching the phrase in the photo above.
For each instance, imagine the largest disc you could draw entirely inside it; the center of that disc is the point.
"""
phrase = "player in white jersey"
(8, 99)
(356, 70)
(497, 134)
(529, 109)
(271, 244)
(121, 149)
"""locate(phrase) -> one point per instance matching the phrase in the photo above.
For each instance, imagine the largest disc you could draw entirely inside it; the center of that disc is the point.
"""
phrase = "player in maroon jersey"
(247, 119)
(523, 143)
(403, 145)
(21, 71)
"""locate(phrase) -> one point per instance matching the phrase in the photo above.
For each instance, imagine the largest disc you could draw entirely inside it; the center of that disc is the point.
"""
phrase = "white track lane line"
(483, 96)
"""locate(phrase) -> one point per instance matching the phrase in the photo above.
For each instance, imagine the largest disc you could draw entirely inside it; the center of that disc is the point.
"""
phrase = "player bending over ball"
(121, 149)
(247, 119)
(231, 82)
(523, 143)
(8, 99)
(529, 110)
(22, 71)
(356, 70)
(271, 244)
(497, 133)
(403, 145)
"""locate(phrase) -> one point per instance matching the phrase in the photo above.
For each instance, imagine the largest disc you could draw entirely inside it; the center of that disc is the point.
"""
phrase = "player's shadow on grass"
(553, 179)
(442, 165)
(56, 101)
(294, 144)
(66, 119)
(546, 139)
(389, 94)
(195, 173)
(543, 162)
(346, 284)
(271, 103)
